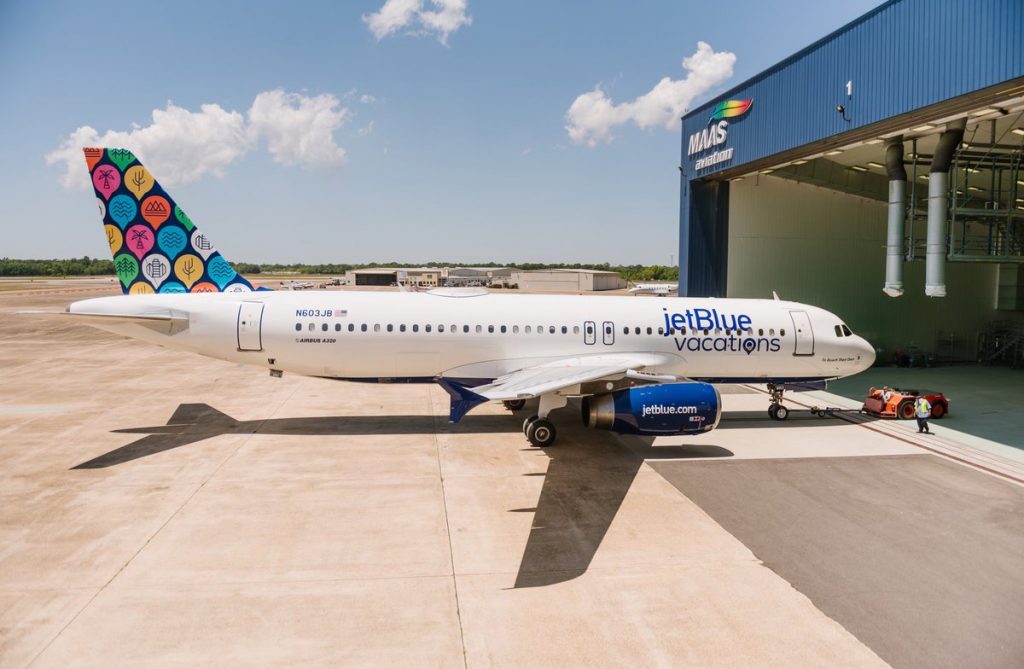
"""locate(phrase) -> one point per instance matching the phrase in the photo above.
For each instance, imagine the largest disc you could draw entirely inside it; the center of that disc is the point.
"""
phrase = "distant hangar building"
(876, 173)
(568, 280)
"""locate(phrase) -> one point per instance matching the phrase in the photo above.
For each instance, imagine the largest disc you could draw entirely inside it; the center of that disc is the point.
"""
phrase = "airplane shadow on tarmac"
(588, 475)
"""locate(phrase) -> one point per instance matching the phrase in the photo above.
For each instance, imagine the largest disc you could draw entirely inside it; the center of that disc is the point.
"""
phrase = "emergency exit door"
(250, 322)
(803, 334)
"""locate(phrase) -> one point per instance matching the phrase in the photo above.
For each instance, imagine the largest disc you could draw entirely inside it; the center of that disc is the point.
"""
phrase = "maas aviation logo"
(730, 109)
(716, 132)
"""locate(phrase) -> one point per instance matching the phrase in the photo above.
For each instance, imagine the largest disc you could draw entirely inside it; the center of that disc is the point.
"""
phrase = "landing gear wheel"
(526, 424)
(781, 412)
(514, 405)
(772, 408)
(541, 432)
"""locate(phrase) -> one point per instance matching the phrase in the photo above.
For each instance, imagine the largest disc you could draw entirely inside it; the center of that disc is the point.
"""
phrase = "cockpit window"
(839, 331)
(847, 331)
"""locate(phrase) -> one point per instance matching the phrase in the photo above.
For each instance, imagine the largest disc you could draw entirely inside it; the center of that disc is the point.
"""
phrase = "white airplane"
(660, 289)
(641, 366)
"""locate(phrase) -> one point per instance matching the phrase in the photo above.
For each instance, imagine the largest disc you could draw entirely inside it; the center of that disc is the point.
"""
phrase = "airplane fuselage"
(370, 336)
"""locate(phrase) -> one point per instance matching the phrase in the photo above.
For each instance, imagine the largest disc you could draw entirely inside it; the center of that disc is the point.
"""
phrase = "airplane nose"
(866, 353)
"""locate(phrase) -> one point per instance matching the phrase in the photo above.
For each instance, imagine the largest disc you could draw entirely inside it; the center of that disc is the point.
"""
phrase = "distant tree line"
(86, 266)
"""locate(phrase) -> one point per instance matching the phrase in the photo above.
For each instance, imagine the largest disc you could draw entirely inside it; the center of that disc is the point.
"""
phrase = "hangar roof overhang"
(905, 64)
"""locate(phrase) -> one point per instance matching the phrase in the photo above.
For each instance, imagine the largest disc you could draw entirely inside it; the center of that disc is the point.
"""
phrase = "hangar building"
(876, 173)
(568, 280)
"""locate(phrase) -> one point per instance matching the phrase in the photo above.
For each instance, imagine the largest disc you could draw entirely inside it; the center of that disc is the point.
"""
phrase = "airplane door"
(804, 334)
(608, 333)
(589, 332)
(250, 321)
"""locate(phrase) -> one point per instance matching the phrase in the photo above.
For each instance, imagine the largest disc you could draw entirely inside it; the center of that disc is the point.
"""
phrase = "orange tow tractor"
(898, 403)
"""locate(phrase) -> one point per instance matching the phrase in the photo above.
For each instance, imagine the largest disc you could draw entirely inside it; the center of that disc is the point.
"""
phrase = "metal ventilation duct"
(897, 212)
(938, 190)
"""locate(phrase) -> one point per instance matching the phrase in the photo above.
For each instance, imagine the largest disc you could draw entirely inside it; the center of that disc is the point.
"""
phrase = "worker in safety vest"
(923, 409)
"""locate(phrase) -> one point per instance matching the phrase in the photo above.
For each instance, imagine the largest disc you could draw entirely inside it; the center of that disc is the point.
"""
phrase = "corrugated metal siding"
(904, 55)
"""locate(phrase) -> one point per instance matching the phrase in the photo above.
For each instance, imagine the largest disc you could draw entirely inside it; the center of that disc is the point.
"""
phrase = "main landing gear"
(514, 405)
(777, 410)
(538, 429)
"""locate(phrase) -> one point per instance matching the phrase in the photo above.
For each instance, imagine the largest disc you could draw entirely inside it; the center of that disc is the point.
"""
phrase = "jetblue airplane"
(640, 366)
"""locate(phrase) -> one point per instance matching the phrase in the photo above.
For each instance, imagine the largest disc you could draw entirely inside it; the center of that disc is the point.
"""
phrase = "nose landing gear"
(777, 410)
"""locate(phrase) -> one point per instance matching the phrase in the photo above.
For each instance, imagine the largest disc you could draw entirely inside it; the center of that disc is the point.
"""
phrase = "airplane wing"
(553, 376)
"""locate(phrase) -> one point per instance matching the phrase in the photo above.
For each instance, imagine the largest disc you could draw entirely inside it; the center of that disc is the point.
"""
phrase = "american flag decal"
(341, 313)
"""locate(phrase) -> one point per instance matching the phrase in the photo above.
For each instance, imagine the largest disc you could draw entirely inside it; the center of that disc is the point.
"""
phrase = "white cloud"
(180, 146)
(421, 17)
(366, 129)
(299, 130)
(525, 152)
(367, 99)
(592, 115)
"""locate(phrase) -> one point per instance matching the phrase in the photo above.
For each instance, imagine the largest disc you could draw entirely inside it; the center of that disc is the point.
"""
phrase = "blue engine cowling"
(672, 408)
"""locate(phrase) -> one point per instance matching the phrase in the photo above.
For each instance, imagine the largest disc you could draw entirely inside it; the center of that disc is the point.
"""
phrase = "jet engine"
(672, 408)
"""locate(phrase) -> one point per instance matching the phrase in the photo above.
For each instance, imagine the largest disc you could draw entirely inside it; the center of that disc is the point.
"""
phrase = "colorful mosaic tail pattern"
(156, 247)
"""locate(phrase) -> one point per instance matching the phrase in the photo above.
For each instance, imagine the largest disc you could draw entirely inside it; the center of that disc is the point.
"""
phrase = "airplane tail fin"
(156, 247)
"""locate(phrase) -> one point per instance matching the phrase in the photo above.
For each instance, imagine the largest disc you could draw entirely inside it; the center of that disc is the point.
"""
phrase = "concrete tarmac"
(161, 509)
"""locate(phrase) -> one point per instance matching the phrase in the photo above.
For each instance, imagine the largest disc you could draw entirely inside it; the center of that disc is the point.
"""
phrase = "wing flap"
(553, 376)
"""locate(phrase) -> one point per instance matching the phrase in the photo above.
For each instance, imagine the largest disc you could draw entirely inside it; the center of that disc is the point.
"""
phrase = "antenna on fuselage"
(775, 295)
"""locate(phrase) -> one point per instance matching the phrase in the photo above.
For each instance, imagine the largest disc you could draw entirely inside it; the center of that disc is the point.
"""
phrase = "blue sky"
(441, 137)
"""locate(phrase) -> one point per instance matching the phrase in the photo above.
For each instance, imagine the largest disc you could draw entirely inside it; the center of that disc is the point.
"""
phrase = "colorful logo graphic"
(155, 246)
(730, 109)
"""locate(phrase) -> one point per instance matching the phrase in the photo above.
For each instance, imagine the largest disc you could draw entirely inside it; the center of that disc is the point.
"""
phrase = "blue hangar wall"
(905, 59)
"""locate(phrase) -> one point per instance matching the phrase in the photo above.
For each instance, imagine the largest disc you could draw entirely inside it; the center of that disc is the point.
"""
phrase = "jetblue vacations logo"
(709, 330)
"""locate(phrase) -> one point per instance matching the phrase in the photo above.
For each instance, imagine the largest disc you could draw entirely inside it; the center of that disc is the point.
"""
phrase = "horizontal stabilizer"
(168, 322)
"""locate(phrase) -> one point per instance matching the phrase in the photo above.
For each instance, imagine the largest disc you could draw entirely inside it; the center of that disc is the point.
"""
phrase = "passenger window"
(528, 330)
(298, 327)
(637, 331)
(503, 329)
(771, 332)
(465, 328)
(760, 332)
(376, 327)
(401, 328)
(649, 331)
(515, 329)
(337, 327)
(625, 330)
(363, 327)
(351, 327)
(551, 329)
(479, 329)
(565, 330)
(490, 328)
(390, 327)
(440, 327)
(323, 327)
(782, 333)
(705, 332)
(426, 328)
(416, 328)
(575, 329)
(311, 327)
(661, 330)
(682, 331)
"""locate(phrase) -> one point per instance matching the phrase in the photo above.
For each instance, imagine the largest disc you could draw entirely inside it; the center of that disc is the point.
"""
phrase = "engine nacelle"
(672, 408)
